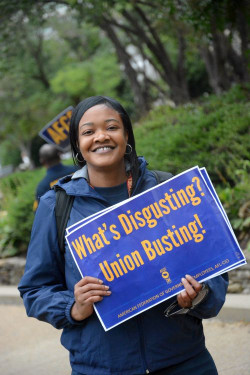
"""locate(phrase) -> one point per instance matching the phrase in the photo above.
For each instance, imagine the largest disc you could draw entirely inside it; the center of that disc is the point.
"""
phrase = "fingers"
(195, 284)
(192, 288)
(88, 279)
(90, 290)
(183, 300)
(88, 287)
(190, 291)
(89, 295)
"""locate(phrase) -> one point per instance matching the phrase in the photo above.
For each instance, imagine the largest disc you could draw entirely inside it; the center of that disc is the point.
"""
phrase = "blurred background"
(180, 68)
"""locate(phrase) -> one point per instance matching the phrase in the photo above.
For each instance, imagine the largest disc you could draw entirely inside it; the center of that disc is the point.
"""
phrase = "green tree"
(222, 33)
(168, 36)
(51, 69)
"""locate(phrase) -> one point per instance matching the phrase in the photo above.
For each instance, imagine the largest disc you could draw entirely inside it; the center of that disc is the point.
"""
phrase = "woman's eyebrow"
(112, 119)
(86, 123)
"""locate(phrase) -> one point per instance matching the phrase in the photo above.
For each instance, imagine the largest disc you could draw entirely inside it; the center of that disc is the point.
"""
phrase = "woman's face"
(102, 138)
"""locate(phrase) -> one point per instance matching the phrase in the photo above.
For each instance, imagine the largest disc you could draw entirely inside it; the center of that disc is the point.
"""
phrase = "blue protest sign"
(212, 189)
(57, 130)
(144, 246)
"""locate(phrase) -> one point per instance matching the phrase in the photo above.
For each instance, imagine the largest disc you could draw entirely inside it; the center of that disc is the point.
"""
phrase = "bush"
(7, 157)
(17, 211)
(213, 134)
(17, 215)
(236, 201)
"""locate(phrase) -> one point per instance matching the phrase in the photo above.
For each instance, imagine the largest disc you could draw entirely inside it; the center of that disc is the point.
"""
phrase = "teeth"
(101, 149)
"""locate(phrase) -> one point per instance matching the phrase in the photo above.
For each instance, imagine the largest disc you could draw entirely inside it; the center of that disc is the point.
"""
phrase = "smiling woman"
(103, 144)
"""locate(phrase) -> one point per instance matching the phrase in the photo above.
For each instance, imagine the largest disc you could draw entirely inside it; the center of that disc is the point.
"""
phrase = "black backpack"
(64, 204)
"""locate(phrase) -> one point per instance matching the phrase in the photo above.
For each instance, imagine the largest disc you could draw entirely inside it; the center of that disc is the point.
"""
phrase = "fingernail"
(182, 279)
(100, 281)
(106, 287)
(109, 292)
(187, 276)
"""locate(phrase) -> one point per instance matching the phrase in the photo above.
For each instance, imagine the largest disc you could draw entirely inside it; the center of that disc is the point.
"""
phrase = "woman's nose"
(101, 136)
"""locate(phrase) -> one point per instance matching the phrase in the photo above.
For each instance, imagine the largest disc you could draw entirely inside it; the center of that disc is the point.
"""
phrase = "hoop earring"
(79, 161)
(130, 149)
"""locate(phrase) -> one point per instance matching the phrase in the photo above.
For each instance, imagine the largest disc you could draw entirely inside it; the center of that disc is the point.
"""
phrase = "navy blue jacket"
(52, 176)
(149, 341)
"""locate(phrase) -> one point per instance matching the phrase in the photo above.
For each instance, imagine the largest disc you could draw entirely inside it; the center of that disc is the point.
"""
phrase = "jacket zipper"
(142, 345)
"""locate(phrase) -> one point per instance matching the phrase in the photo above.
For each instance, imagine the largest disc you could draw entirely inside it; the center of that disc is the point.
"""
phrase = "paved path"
(30, 347)
(229, 344)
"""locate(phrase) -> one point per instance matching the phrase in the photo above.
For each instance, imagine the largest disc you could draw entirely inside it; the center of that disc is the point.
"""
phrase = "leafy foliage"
(59, 61)
(16, 211)
(8, 158)
(213, 134)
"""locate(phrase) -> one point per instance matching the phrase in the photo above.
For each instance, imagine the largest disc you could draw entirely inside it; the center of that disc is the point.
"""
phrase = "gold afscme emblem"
(165, 275)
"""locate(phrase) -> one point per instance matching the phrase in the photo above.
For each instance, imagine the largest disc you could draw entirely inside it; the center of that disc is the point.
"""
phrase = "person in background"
(50, 158)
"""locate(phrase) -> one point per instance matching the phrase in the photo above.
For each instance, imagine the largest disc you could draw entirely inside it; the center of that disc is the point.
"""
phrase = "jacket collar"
(78, 184)
(81, 173)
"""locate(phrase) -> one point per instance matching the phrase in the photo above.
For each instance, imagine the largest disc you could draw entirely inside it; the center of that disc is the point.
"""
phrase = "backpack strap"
(161, 176)
(63, 207)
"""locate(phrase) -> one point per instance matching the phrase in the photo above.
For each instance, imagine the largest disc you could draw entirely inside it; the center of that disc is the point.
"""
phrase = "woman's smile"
(103, 149)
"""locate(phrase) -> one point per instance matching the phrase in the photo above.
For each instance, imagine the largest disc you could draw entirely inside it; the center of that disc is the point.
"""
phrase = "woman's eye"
(87, 132)
(112, 127)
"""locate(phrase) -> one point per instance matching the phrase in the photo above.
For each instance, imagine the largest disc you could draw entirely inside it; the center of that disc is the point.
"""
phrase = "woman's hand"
(192, 288)
(87, 291)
